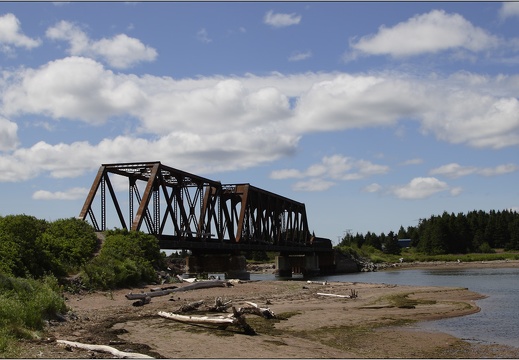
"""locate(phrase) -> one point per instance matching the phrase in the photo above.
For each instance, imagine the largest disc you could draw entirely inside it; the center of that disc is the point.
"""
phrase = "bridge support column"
(311, 265)
(237, 268)
(283, 266)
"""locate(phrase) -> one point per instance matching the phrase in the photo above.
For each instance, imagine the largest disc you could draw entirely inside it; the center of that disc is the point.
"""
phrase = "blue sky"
(373, 114)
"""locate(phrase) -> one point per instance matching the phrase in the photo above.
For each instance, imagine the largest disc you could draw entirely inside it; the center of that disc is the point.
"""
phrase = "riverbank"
(376, 324)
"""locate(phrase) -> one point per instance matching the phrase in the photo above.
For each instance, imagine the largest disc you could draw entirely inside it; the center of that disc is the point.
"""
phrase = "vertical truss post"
(103, 203)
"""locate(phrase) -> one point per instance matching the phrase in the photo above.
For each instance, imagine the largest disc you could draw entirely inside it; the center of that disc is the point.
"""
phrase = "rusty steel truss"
(191, 212)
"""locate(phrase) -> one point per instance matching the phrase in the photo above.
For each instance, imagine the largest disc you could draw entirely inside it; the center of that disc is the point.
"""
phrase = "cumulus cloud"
(120, 51)
(372, 188)
(12, 35)
(281, 20)
(299, 56)
(8, 135)
(237, 122)
(509, 9)
(454, 170)
(425, 33)
(358, 101)
(313, 185)
(420, 188)
(335, 167)
(70, 194)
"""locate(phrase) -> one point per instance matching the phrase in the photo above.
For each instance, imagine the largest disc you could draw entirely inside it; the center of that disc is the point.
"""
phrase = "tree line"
(475, 231)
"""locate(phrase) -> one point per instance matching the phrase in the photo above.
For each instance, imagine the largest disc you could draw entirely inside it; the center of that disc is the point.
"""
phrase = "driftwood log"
(353, 294)
(193, 286)
(104, 348)
(220, 305)
(190, 307)
(335, 295)
(256, 310)
(236, 319)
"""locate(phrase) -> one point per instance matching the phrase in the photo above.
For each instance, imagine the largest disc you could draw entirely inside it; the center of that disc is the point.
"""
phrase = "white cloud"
(509, 9)
(420, 188)
(8, 135)
(11, 35)
(357, 101)
(335, 167)
(203, 36)
(415, 161)
(299, 56)
(281, 20)
(239, 122)
(372, 188)
(73, 88)
(313, 185)
(465, 117)
(70, 194)
(499, 170)
(426, 33)
(120, 51)
(454, 170)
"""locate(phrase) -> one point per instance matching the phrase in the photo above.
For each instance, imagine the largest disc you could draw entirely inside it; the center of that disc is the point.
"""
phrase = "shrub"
(20, 254)
(25, 305)
(126, 259)
(68, 243)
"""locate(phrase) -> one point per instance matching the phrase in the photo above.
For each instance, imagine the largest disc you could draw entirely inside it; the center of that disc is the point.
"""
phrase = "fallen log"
(193, 286)
(317, 282)
(190, 307)
(221, 321)
(335, 295)
(256, 310)
(104, 348)
(219, 305)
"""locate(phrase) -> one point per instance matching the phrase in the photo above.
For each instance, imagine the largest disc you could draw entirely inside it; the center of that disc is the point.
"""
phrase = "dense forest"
(476, 231)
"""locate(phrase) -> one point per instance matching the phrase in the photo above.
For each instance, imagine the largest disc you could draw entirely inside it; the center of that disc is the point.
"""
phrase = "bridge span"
(212, 220)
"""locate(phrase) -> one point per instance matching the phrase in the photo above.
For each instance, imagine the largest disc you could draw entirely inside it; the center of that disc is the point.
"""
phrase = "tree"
(69, 243)
(391, 245)
(20, 252)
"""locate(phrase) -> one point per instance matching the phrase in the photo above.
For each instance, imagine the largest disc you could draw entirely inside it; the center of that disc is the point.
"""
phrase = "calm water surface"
(496, 323)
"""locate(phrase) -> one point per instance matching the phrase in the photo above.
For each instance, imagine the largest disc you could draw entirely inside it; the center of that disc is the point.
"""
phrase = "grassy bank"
(411, 255)
(25, 305)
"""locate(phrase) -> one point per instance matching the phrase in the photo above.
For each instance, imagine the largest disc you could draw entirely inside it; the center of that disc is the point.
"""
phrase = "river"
(496, 323)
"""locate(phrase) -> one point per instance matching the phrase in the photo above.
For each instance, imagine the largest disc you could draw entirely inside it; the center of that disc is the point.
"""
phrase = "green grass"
(25, 305)
(411, 255)
(404, 302)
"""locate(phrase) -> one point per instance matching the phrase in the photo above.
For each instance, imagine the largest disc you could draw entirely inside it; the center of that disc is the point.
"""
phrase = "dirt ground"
(378, 323)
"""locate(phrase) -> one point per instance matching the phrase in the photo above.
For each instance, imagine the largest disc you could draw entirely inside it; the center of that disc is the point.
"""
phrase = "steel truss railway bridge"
(189, 212)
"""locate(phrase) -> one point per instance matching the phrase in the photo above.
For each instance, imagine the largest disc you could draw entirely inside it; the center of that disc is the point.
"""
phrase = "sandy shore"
(376, 324)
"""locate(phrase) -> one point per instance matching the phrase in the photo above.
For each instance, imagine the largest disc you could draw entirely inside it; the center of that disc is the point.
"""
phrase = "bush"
(68, 243)
(20, 254)
(25, 305)
(126, 259)
(32, 248)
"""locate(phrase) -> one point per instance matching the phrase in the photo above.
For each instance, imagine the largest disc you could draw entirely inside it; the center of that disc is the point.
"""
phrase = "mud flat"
(376, 324)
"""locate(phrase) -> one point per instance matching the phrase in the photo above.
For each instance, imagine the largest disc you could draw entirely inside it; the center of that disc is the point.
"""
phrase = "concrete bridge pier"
(308, 265)
(311, 266)
(237, 268)
(283, 266)
(234, 266)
